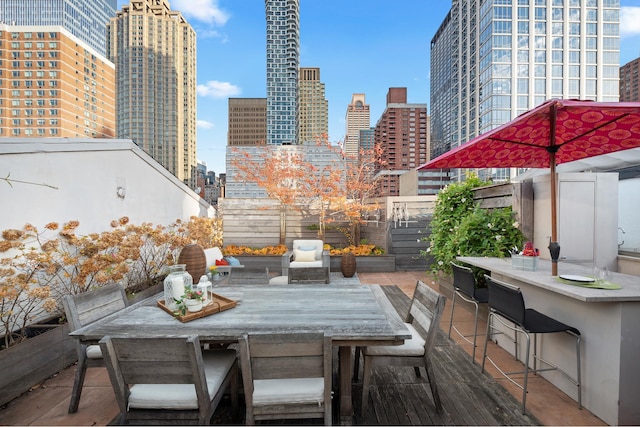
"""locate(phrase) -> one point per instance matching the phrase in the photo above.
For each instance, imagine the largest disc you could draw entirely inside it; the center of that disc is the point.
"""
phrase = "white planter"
(193, 305)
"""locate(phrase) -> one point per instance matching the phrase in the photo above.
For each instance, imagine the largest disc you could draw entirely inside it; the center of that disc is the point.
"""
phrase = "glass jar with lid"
(175, 284)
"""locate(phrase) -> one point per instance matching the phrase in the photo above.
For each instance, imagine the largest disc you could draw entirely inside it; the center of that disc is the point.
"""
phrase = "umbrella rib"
(595, 128)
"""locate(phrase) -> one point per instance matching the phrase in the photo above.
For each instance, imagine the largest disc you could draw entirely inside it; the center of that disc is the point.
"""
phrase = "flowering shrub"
(38, 268)
(461, 228)
(362, 250)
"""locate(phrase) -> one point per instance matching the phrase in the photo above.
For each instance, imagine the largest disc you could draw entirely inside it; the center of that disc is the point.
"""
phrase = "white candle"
(177, 287)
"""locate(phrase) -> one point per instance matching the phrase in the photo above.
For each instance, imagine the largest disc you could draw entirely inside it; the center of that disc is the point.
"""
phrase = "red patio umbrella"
(557, 131)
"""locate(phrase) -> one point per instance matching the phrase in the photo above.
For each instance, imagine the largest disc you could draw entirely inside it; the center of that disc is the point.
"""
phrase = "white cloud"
(201, 10)
(203, 124)
(216, 89)
(629, 21)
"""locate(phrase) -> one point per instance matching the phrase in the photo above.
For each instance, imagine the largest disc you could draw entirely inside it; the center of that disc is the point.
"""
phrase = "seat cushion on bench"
(304, 264)
(298, 390)
(217, 364)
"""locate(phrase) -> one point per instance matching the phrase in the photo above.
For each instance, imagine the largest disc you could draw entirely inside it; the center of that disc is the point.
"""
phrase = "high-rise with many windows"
(283, 58)
(495, 59)
(357, 118)
(85, 19)
(54, 85)
(630, 81)
(401, 133)
(154, 51)
(313, 106)
(247, 124)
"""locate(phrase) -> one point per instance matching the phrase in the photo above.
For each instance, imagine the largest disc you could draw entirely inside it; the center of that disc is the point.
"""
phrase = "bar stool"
(506, 302)
(464, 284)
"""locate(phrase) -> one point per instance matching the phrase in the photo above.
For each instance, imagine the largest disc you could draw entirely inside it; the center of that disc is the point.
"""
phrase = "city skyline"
(362, 46)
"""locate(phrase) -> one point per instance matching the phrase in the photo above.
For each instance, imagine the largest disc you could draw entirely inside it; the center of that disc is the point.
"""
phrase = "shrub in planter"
(461, 228)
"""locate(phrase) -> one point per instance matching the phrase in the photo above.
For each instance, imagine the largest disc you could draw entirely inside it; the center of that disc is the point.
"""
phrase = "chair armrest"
(326, 259)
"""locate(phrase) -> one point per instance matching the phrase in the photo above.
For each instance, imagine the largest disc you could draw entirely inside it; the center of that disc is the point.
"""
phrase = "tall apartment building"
(402, 134)
(247, 123)
(154, 51)
(283, 61)
(367, 138)
(357, 118)
(85, 19)
(313, 107)
(53, 85)
(491, 61)
(629, 81)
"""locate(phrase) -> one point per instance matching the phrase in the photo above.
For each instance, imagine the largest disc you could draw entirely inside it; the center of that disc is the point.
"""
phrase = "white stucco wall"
(86, 174)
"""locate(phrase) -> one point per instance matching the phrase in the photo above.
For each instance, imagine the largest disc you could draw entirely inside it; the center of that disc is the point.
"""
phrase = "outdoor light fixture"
(121, 192)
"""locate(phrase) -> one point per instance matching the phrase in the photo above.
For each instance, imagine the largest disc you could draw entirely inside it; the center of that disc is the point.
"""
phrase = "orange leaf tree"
(278, 170)
(339, 187)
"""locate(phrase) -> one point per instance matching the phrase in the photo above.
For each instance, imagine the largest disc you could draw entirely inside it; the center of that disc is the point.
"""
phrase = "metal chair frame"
(517, 324)
(464, 276)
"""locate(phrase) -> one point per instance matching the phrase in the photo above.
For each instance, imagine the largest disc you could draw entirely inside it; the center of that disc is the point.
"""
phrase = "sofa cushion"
(315, 244)
(217, 364)
(304, 256)
(302, 264)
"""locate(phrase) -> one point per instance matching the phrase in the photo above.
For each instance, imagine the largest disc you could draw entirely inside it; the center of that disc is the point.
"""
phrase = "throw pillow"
(304, 256)
(234, 262)
(221, 262)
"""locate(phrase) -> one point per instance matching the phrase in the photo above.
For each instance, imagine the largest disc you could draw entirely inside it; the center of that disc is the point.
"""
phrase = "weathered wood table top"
(360, 313)
(353, 314)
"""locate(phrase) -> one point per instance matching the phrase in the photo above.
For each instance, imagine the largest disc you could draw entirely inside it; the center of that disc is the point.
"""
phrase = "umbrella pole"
(554, 247)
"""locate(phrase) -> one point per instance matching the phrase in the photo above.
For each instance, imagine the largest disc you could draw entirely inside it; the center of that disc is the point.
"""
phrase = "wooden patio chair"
(81, 310)
(423, 321)
(307, 262)
(168, 380)
(286, 376)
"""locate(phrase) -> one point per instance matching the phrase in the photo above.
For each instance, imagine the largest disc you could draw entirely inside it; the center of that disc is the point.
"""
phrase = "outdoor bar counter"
(609, 321)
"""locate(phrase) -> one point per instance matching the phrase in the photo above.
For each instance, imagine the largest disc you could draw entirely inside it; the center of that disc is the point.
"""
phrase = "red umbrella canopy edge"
(582, 129)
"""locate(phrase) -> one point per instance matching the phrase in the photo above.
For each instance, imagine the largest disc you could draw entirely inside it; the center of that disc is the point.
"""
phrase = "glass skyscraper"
(283, 58)
(495, 59)
(85, 19)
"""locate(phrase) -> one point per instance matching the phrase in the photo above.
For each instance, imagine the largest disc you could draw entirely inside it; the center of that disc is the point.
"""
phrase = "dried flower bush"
(38, 268)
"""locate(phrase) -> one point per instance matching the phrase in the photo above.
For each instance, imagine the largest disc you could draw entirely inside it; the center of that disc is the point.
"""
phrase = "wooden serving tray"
(217, 304)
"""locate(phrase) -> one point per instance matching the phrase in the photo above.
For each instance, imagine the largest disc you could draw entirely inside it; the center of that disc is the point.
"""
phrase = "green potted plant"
(192, 301)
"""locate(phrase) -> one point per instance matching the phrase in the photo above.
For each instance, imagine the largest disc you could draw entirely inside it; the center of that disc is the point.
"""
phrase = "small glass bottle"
(175, 284)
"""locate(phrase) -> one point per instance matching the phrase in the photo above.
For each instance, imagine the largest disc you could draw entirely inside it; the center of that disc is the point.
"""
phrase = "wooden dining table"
(354, 315)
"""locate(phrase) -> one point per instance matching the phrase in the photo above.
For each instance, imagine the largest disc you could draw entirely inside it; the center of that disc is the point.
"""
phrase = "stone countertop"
(542, 278)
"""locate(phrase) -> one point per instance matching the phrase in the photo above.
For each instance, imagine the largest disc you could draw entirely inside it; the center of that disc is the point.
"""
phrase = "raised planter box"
(364, 264)
(368, 264)
(34, 360)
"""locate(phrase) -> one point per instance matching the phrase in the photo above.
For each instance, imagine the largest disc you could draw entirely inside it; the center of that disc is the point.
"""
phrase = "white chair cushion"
(288, 390)
(316, 244)
(94, 352)
(183, 396)
(411, 347)
(212, 255)
(279, 280)
(304, 256)
(301, 264)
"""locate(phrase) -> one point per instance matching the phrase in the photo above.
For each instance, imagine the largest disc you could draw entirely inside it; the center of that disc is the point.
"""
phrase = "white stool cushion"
(279, 280)
(94, 352)
(217, 364)
(289, 390)
(304, 264)
(411, 347)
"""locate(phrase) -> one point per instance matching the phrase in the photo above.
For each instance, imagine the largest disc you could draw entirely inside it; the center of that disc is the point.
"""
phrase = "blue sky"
(361, 46)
